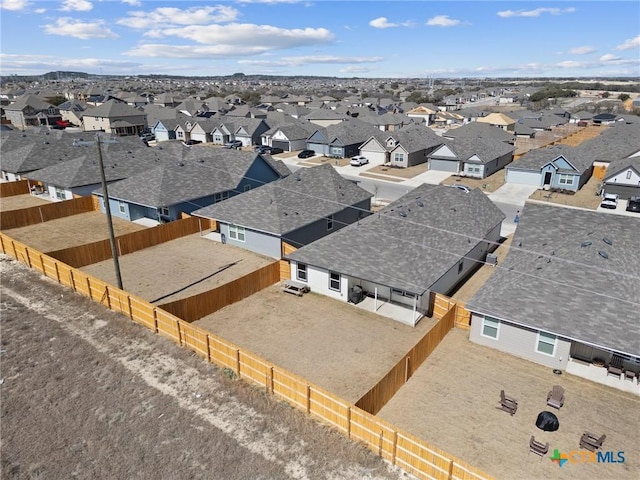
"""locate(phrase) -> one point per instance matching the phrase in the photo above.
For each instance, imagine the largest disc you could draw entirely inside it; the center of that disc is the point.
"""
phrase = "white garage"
(522, 177)
(443, 165)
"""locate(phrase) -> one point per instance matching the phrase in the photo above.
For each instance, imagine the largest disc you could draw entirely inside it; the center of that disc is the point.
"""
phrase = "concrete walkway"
(513, 194)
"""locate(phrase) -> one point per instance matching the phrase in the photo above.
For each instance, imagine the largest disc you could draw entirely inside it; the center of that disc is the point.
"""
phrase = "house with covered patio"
(567, 295)
(426, 242)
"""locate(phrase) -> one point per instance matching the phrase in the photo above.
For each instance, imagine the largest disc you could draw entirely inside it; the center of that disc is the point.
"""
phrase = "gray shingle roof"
(550, 282)
(479, 129)
(485, 149)
(408, 246)
(113, 108)
(288, 204)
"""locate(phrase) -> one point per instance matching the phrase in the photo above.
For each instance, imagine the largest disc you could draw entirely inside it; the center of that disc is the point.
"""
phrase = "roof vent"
(181, 164)
(419, 203)
(46, 143)
(603, 254)
(586, 244)
(402, 213)
(201, 160)
(607, 241)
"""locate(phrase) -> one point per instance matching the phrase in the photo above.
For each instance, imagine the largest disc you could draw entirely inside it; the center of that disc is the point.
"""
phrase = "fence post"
(155, 320)
(57, 271)
(238, 362)
(26, 250)
(89, 288)
(406, 369)
(349, 422)
(2, 244)
(71, 277)
(44, 272)
(41, 216)
(450, 469)
(308, 399)
(395, 447)
(179, 334)
(380, 445)
(130, 307)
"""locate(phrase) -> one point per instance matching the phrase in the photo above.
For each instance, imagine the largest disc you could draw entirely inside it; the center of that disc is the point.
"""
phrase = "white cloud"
(169, 16)
(382, 22)
(195, 51)
(442, 21)
(247, 36)
(76, 6)
(630, 43)
(269, 1)
(40, 10)
(569, 64)
(41, 63)
(310, 60)
(609, 57)
(14, 5)
(133, 3)
(68, 27)
(535, 13)
(353, 70)
(581, 50)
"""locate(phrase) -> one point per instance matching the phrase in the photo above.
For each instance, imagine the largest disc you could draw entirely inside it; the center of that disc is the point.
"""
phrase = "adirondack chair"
(508, 404)
(591, 442)
(555, 398)
(537, 447)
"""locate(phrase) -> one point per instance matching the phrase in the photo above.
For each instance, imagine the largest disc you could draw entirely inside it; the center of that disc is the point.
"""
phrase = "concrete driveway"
(433, 177)
(513, 194)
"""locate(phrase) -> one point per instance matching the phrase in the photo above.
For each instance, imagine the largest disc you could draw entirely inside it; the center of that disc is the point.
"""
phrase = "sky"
(368, 39)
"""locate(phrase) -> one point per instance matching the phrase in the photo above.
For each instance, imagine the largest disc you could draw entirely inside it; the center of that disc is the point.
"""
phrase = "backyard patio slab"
(452, 401)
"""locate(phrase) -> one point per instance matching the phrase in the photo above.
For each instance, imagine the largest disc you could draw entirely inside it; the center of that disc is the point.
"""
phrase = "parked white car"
(609, 200)
(358, 161)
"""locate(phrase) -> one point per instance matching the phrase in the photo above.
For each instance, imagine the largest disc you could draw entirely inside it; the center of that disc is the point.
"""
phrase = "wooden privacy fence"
(285, 266)
(197, 306)
(44, 213)
(402, 449)
(401, 372)
(9, 189)
(443, 304)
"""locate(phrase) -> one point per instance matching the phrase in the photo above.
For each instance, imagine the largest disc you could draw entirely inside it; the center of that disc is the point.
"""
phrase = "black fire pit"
(547, 421)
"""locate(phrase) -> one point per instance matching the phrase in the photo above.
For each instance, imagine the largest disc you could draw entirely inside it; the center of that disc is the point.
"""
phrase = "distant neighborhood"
(524, 215)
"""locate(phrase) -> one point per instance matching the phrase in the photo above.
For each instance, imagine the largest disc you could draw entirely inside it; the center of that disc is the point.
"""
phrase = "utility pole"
(107, 207)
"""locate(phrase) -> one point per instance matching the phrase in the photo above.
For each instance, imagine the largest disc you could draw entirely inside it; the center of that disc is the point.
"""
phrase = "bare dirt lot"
(70, 231)
(585, 197)
(452, 402)
(88, 394)
(17, 202)
(179, 268)
(332, 344)
(402, 173)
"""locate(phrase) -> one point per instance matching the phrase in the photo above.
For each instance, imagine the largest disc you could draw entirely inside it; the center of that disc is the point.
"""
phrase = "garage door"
(443, 165)
(284, 145)
(375, 158)
(319, 148)
(522, 177)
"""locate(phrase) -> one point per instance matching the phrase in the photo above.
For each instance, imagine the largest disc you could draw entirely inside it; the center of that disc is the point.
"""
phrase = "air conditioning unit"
(491, 259)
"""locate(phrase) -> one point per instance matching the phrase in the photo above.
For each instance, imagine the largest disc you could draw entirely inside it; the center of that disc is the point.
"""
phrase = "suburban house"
(291, 212)
(223, 129)
(425, 113)
(165, 129)
(425, 242)
(115, 117)
(499, 120)
(325, 117)
(403, 148)
(289, 137)
(72, 111)
(202, 177)
(623, 177)
(476, 157)
(567, 295)
(31, 111)
(483, 130)
(559, 167)
(341, 140)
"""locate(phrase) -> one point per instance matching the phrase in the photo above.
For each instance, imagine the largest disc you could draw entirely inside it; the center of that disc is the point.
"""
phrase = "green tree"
(623, 97)
(605, 94)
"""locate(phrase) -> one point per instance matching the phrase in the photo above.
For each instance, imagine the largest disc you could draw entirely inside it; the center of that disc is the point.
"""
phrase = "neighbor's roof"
(410, 244)
(497, 119)
(477, 129)
(549, 281)
(288, 204)
(113, 108)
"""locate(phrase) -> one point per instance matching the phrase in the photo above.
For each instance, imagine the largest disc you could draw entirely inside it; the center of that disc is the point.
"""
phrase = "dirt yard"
(70, 231)
(585, 197)
(179, 268)
(88, 394)
(488, 184)
(402, 173)
(336, 162)
(17, 202)
(334, 345)
(452, 402)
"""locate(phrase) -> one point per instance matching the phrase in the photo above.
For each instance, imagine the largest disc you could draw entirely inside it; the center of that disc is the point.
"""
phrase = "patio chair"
(591, 442)
(555, 398)
(508, 404)
(537, 447)
(615, 366)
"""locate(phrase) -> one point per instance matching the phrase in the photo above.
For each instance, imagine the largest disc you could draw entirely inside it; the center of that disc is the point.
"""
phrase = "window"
(473, 168)
(218, 197)
(247, 188)
(122, 207)
(565, 179)
(164, 211)
(546, 343)
(330, 222)
(490, 327)
(301, 272)
(334, 281)
(60, 195)
(628, 174)
(398, 157)
(237, 233)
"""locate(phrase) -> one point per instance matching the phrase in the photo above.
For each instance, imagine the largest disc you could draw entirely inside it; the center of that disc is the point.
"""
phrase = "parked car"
(609, 200)
(233, 144)
(306, 154)
(271, 150)
(147, 136)
(464, 188)
(633, 205)
(358, 161)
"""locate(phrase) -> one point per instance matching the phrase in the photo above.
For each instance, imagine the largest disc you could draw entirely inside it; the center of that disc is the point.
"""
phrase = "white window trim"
(164, 211)
(330, 222)
(235, 232)
(122, 207)
(484, 319)
(302, 267)
(565, 179)
(339, 282)
(555, 344)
